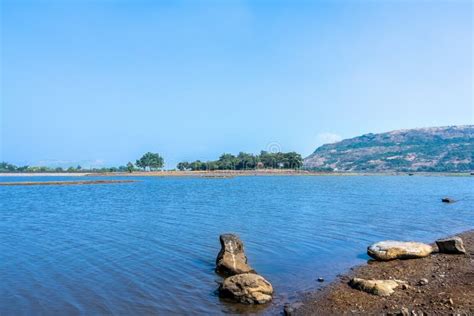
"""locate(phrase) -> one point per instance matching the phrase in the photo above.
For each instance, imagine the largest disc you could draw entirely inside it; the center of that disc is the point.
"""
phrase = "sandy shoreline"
(450, 288)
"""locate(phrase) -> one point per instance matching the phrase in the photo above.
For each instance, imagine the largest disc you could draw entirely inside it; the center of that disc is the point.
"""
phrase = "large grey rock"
(231, 259)
(451, 245)
(376, 287)
(247, 288)
(390, 249)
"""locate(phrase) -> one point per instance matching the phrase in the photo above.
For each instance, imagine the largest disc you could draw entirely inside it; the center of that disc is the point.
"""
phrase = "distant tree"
(22, 168)
(150, 160)
(268, 159)
(196, 165)
(7, 167)
(294, 160)
(246, 161)
(59, 169)
(71, 169)
(227, 162)
(78, 167)
(130, 167)
(212, 165)
(183, 165)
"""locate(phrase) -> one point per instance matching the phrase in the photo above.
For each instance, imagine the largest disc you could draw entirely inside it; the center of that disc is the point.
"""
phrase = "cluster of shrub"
(246, 161)
(149, 161)
(11, 168)
(153, 161)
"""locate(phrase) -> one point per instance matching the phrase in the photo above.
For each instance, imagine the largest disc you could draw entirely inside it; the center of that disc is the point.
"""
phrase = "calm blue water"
(150, 246)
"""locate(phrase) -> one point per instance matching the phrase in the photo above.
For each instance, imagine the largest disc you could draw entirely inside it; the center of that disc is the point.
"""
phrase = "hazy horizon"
(99, 83)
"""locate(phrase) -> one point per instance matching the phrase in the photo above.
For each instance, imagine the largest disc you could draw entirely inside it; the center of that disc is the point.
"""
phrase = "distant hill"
(434, 149)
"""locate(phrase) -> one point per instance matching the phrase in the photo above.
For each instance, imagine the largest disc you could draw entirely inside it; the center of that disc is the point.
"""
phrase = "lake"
(150, 246)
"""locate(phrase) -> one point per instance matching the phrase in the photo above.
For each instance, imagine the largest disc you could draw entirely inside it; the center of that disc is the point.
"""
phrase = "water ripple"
(149, 247)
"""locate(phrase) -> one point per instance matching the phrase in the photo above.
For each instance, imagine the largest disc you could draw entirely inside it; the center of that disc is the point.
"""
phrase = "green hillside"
(434, 149)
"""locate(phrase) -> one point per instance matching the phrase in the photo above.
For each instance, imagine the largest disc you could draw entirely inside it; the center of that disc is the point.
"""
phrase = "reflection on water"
(150, 246)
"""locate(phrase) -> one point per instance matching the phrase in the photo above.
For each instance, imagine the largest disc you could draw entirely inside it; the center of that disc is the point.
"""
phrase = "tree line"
(246, 161)
(154, 161)
(149, 161)
(11, 168)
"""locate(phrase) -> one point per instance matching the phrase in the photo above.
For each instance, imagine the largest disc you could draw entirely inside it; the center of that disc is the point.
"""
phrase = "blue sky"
(101, 82)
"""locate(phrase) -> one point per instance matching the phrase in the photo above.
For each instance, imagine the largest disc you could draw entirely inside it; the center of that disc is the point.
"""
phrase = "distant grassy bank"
(227, 173)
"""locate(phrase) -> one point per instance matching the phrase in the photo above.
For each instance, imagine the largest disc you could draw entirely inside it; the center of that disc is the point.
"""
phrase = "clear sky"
(101, 82)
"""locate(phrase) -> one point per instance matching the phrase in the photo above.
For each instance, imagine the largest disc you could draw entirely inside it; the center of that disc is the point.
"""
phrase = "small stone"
(288, 310)
(423, 282)
(404, 312)
(451, 245)
(450, 301)
(320, 279)
(376, 287)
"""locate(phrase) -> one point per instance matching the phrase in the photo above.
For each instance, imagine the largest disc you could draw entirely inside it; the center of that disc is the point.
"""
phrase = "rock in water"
(247, 288)
(390, 249)
(451, 245)
(231, 259)
(376, 287)
(290, 309)
(447, 200)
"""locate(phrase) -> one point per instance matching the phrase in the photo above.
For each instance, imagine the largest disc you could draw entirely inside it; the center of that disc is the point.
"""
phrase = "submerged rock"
(376, 287)
(231, 259)
(247, 288)
(290, 309)
(451, 245)
(390, 249)
(447, 200)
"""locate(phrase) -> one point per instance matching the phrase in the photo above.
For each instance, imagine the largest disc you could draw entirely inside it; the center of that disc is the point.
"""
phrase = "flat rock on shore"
(391, 249)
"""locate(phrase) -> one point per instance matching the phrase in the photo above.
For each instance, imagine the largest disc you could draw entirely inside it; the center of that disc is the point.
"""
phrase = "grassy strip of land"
(266, 172)
(230, 173)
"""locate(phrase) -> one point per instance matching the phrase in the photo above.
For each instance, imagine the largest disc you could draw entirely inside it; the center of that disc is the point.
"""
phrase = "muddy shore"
(449, 291)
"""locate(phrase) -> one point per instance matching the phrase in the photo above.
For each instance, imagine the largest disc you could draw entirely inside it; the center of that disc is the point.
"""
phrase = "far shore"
(28, 183)
(44, 174)
(228, 173)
